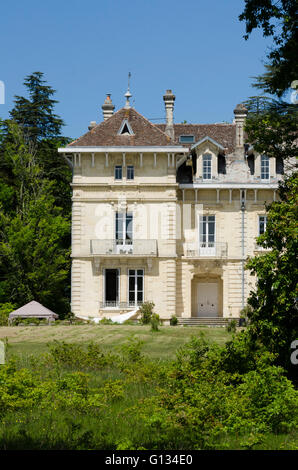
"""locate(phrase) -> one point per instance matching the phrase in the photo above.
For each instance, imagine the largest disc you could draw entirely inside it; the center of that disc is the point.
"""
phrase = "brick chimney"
(240, 113)
(107, 107)
(169, 99)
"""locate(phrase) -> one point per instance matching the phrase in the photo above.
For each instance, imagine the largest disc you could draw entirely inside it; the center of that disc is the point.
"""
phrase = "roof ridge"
(151, 124)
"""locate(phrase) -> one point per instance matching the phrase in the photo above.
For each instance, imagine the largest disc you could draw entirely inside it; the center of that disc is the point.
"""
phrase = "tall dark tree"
(42, 131)
(36, 113)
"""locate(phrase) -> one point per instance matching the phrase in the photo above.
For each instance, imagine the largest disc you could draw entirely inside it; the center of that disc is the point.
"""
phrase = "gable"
(141, 132)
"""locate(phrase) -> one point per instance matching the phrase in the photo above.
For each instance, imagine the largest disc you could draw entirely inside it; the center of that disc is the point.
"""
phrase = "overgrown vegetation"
(83, 397)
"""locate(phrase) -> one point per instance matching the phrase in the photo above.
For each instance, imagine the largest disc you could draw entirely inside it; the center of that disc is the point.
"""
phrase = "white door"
(207, 299)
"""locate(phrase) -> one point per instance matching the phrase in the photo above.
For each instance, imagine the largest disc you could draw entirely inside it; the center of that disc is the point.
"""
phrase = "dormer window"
(264, 167)
(125, 128)
(186, 139)
(207, 166)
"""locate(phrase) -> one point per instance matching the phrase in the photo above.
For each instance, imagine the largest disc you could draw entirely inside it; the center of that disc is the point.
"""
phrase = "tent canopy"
(33, 310)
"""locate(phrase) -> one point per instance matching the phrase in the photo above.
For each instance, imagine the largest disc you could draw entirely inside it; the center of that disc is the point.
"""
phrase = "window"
(130, 173)
(264, 167)
(186, 139)
(135, 286)
(124, 228)
(118, 172)
(262, 224)
(207, 231)
(207, 166)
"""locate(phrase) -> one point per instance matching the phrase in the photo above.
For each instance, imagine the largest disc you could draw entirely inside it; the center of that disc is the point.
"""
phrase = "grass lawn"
(158, 345)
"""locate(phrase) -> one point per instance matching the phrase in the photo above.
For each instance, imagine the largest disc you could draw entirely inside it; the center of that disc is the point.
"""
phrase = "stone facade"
(166, 214)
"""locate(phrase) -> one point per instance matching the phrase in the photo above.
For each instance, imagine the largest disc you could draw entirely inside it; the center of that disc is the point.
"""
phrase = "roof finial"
(128, 95)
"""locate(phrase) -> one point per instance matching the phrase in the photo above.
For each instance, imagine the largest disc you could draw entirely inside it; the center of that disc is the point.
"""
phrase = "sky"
(86, 49)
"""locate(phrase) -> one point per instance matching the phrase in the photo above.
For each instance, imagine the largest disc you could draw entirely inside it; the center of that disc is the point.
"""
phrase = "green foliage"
(81, 398)
(34, 237)
(155, 322)
(146, 311)
(173, 320)
(231, 326)
(273, 318)
(5, 310)
(279, 21)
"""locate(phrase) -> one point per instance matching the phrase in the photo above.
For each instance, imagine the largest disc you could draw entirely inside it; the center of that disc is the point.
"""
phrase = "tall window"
(207, 231)
(264, 167)
(136, 286)
(118, 172)
(262, 224)
(207, 166)
(124, 228)
(130, 174)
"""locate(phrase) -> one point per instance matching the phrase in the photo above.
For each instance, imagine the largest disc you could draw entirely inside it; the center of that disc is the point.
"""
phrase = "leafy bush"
(146, 311)
(155, 322)
(174, 320)
(231, 326)
(5, 310)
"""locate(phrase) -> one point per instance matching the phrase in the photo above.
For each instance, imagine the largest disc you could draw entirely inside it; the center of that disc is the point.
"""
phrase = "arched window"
(207, 168)
(264, 167)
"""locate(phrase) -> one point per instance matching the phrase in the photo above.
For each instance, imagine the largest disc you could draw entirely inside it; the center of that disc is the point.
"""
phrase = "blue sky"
(86, 49)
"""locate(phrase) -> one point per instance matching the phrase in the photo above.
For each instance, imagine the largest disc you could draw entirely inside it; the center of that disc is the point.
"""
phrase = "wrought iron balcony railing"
(206, 249)
(123, 247)
(119, 305)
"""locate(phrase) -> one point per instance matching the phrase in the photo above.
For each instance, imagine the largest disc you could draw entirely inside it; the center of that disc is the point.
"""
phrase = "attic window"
(125, 128)
(186, 139)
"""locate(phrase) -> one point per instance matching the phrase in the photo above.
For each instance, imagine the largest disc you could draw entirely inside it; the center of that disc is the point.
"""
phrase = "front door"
(207, 299)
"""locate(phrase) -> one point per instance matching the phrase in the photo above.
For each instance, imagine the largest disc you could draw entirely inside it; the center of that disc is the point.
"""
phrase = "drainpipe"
(242, 244)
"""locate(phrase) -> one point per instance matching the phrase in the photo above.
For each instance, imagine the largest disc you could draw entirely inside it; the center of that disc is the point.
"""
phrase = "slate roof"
(224, 134)
(106, 133)
(33, 310)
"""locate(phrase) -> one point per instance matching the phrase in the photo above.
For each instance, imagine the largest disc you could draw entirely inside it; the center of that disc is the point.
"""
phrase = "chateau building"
(166, 213)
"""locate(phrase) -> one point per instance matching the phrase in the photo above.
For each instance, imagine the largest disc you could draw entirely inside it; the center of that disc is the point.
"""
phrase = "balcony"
(119, 305)
(123, 247)
(206, 250)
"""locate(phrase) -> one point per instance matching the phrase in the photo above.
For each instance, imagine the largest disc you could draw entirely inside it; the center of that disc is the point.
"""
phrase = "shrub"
(146, 311)
(174, 320)
(155, 322)
(231, 326)
(5, 310)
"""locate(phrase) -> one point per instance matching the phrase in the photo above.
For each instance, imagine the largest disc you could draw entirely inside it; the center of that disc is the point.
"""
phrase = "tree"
(274, 314)
(35, 235)
(42, 131)
(277, 19)
(35, 114)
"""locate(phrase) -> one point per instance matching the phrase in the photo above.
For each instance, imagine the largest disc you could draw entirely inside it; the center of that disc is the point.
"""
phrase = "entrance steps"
(206, 321)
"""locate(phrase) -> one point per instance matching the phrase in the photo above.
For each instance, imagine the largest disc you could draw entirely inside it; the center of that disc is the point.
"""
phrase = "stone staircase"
(206, 321)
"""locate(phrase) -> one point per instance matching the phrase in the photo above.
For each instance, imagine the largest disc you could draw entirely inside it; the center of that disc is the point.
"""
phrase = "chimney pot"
(107, 107)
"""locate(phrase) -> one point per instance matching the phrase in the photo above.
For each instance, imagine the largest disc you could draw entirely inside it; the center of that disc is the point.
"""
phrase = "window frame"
(262, 216)
(188, 136)
(265, 169)
(209, 166)
(123, 219)
(117, 168)
(132, 169)
(136, 289)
